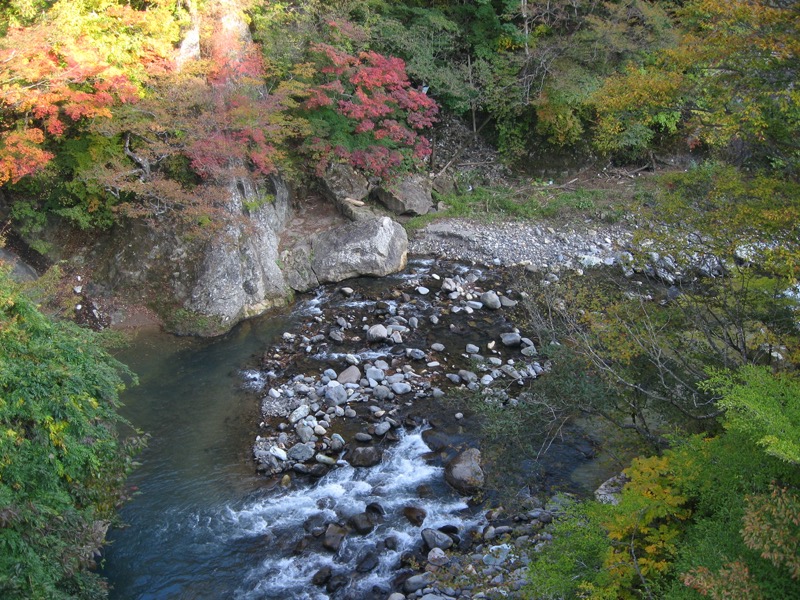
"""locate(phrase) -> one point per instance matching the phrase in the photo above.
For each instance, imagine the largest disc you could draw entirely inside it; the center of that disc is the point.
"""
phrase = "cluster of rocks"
(376, 361)
(537, 246)
(488, 562)
(340, 386)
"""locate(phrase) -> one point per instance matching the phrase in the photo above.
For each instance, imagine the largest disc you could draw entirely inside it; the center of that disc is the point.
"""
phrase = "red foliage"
(374, 92)
(47, 87)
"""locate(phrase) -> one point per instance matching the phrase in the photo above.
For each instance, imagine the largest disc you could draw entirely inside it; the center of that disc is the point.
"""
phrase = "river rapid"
(203, 524)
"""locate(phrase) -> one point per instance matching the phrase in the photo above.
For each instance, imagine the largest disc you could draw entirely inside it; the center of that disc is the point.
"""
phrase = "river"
(204, 525)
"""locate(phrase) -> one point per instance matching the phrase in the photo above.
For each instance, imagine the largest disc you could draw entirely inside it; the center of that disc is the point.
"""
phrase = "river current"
(202, 523)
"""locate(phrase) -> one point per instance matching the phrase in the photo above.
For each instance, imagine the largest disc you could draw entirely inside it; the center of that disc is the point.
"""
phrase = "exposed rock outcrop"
(408, 196)
(204, 285)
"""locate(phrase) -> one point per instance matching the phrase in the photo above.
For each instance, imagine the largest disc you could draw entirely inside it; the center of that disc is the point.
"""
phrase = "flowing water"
(204, 525)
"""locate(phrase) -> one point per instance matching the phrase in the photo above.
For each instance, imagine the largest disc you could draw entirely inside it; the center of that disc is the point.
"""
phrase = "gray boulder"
(351, 374)
(375, 247)
(300, 452)
(377, 333)
(464, 472)
(334, 535)
(436, 539)
(491, 300)
(366, 456)
(409, 196)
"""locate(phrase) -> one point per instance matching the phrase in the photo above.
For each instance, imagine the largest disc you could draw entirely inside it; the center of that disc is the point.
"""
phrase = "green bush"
(62, 462)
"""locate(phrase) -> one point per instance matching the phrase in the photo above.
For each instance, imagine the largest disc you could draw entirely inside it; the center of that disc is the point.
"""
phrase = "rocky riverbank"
(378, 357)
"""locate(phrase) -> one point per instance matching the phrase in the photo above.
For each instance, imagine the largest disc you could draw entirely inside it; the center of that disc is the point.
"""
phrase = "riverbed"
(204, 525)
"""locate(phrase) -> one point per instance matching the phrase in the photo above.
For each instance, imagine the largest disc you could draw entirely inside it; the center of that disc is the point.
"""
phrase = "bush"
(62, 463)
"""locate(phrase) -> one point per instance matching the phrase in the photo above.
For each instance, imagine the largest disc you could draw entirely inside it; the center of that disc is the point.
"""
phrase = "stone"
(415, 353)
(363, 523)
(362, 437)
(368, 563)
(374, 373)
(472, 349)
(497, 555)
(375, 247)
(396, 596)
(382, 392)
(342, 181)
(337, 442)
(300, 452)
(325, 460)
(336, 335)
(437, 557)
(423, 291)
(322, 576)
(278, 453)
(415, 515)
(336, 395)
(333, 537)
(382, 428)
(464, 472)
(449, 285)
(417, 582)
(351, 374)
(301, 412)
(437, 347)
(491, 300)
(511, 339)
(377, 333)
(410, 195)
(467, 376)
(305, 433)
(401, 387)
(610, 491)
(366, 456)
(436, 539)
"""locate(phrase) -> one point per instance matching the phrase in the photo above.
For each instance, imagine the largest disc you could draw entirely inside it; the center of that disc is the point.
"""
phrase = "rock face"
(342, 181)
(409, 196)
(205, 285)
(464, 472)
(376, 247)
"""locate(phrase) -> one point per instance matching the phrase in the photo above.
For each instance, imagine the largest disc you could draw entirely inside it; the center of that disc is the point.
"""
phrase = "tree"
(62, 461)
(365, 112)
(62, 70)
(728, 84)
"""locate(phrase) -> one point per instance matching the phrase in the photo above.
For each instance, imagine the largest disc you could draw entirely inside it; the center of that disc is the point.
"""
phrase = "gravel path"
(537, 245)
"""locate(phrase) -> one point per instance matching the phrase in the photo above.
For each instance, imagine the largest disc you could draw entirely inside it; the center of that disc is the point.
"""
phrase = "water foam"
(344, 492)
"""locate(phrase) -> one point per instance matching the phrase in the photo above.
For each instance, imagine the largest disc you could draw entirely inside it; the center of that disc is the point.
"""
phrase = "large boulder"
(464, 472)
(376, 247)
(409, 196)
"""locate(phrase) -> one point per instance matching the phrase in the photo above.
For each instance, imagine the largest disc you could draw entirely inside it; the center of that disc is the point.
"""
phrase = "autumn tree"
(728, 84)
(366, 112)
(61, 70)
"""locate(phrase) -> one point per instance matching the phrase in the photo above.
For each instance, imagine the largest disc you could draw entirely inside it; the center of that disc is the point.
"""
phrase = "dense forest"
(113, 110)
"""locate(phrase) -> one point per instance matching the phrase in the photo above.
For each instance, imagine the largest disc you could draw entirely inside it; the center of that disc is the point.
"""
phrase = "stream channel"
(203, 524)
